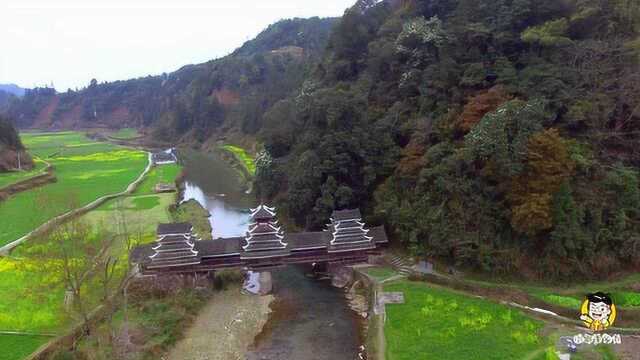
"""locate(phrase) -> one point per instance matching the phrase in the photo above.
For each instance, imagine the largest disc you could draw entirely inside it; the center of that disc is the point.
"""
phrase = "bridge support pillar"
(341, 275)
(259, 282)
(266, 283)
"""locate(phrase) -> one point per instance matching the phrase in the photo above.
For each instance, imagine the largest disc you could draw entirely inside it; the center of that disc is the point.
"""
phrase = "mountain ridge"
(203, 96)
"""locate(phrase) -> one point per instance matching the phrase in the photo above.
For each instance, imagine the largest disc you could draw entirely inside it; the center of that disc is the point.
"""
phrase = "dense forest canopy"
(494, 134)
(9, 136)
(10, 147)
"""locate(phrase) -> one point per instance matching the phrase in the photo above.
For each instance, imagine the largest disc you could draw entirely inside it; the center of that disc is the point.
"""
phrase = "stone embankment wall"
(31, 183)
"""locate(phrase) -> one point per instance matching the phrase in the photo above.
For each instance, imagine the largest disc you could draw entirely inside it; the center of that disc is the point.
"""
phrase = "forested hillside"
(500, 135)
(197, 100)
(10, 146)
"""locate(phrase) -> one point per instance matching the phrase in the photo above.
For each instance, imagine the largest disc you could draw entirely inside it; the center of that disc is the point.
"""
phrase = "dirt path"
(225, 327)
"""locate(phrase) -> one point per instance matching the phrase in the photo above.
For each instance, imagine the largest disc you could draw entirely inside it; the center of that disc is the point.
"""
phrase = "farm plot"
(19, 346)
(125, 134)
(159, 174)
(435, 323)
(243, 157)
(86, 170)
(13, 177)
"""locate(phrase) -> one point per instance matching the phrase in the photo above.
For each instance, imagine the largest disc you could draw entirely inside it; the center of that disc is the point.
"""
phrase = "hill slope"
(12, 89)
(195, 101)
(499, 135)
(10, 147)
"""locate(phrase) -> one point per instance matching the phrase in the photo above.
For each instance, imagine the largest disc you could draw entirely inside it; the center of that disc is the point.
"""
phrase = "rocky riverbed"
(225, 327)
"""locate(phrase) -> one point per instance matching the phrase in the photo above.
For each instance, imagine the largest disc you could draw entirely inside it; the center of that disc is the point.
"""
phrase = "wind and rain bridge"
(178, 250)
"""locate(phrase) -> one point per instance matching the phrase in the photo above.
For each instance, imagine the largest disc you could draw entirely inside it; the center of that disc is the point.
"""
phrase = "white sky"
(68, 42)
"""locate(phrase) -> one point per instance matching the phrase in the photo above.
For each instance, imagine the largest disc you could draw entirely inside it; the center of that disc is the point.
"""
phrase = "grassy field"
(32, 299)
(13, 177)
(435, 323)
(25, 305)
(241, 154)
(158, 174)
(143, 213)
(19, 346)
(571, 297)
(86, 170)
(125, 134)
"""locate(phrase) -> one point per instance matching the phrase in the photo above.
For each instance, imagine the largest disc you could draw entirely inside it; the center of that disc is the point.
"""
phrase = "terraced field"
(19, 346)
(85, 169)
(243, 157)
(32, 300)
(13, 177)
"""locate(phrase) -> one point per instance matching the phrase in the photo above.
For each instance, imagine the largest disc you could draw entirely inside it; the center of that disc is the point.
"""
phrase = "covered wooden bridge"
(346, 240)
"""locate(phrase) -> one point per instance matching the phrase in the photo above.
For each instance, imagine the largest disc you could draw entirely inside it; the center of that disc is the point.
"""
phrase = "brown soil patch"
(226, 97)
(118, 118)
(44, 119)
(295, 51)
(71, 118)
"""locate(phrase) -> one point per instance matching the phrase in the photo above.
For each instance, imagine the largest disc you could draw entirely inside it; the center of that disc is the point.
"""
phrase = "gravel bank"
(225, 328)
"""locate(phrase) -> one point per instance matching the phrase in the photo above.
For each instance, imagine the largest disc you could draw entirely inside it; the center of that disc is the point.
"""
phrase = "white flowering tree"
(421, 38)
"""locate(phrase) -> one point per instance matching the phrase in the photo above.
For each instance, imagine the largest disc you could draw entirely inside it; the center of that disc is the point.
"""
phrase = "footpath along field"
(85, 170)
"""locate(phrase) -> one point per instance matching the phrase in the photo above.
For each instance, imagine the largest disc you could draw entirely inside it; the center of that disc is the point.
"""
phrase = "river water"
(310, 318)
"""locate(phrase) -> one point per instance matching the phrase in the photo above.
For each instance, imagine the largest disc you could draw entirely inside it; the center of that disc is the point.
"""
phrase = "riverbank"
(240, 160)
(225, 327)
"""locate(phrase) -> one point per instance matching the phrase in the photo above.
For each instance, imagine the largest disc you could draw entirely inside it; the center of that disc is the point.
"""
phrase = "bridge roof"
(349, 214)
(176, 228)
(222, 247)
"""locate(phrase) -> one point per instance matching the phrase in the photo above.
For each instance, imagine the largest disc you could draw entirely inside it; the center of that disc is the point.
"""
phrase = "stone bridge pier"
(258, 282)
(341, 275)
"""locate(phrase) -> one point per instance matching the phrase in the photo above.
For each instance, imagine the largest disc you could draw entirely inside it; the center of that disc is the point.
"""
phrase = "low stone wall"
(374, 334)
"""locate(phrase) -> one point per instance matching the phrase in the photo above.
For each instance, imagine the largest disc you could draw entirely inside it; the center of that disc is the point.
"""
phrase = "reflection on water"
(310, 321)
(225, 221)
(214, 184)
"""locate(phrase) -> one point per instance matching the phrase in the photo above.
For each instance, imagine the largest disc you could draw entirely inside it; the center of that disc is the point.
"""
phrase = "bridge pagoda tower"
(264, 238)
(174, 247)
(348, 232)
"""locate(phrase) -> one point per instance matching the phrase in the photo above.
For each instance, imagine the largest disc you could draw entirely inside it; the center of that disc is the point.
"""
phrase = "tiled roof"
(175, 228)
(341, 215)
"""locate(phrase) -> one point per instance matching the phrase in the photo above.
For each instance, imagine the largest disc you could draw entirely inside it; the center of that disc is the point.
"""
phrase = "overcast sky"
(68, 42)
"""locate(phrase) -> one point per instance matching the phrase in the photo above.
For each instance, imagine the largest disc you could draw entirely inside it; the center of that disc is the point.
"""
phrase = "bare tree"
(74, 253)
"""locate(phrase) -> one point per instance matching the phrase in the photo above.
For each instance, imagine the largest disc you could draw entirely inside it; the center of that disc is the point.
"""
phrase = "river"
(310, 319)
